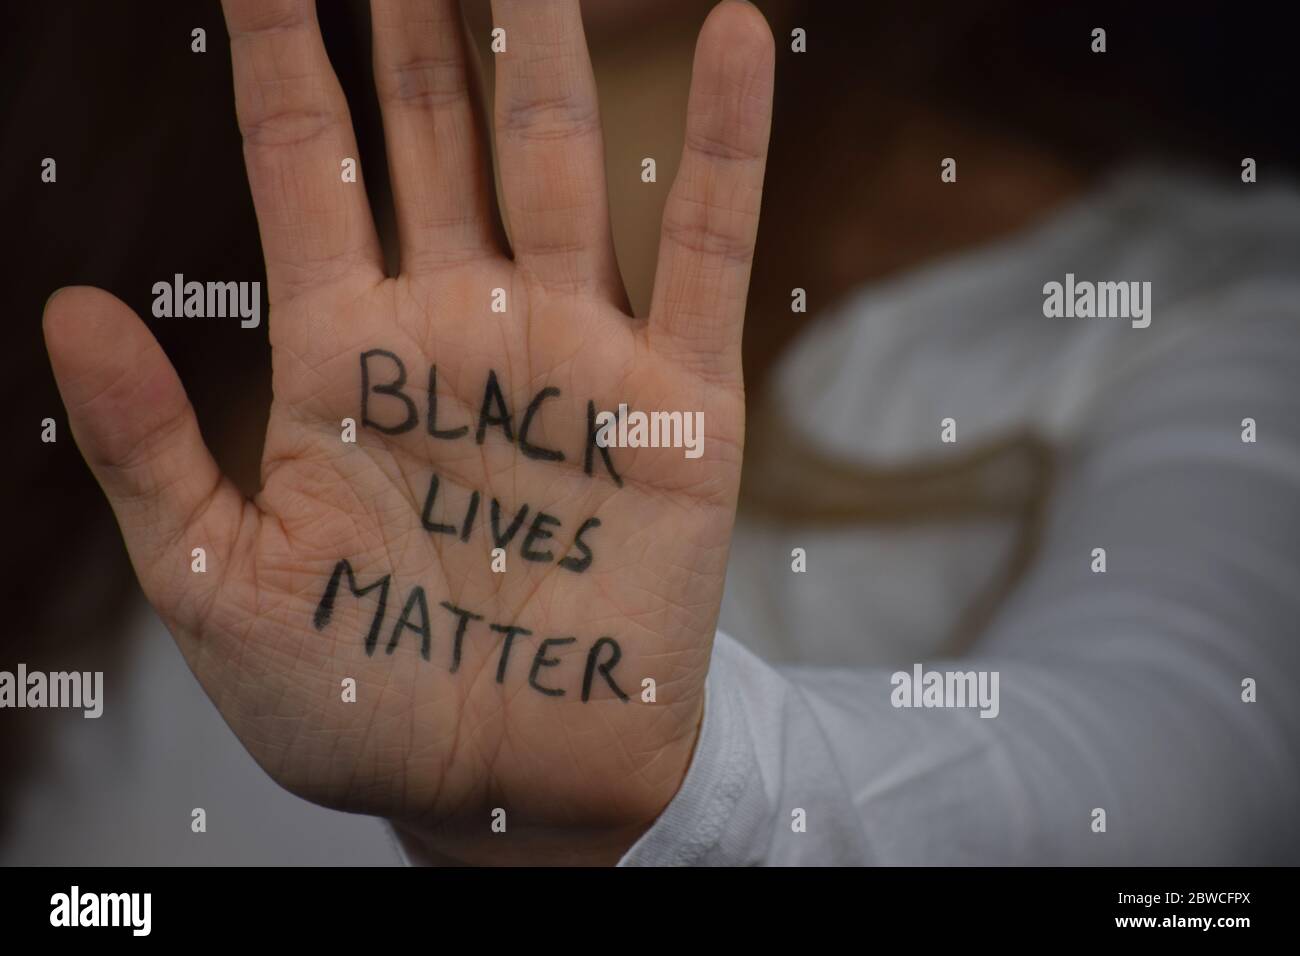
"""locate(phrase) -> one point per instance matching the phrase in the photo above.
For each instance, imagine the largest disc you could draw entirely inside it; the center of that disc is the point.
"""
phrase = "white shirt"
(1119, 691)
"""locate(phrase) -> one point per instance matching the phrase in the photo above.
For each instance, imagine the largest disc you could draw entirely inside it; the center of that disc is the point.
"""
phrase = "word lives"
(504, 530)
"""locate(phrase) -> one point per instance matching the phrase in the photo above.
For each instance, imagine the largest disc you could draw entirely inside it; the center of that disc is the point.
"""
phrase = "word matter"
(603, 655)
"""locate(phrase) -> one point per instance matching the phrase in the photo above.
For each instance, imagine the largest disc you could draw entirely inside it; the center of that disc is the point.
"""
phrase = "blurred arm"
(1120, 691)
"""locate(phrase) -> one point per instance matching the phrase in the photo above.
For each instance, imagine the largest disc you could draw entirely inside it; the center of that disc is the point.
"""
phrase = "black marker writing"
(325, 610)
(602, 657)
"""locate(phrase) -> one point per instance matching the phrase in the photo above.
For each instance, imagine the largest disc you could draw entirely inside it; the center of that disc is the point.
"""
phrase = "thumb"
(136, 429)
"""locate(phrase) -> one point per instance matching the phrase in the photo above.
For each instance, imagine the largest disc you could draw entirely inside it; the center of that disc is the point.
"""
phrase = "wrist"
(623, 813)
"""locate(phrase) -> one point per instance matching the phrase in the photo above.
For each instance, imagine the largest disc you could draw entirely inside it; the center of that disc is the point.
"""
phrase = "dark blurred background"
(151, 183)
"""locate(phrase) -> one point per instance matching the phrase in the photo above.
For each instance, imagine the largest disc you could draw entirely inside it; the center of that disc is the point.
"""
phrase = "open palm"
(526, 614)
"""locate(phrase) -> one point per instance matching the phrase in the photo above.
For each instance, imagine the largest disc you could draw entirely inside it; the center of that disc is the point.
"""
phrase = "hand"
(476, 689)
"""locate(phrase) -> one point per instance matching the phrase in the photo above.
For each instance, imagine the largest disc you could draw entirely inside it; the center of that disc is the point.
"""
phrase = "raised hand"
(476, 688)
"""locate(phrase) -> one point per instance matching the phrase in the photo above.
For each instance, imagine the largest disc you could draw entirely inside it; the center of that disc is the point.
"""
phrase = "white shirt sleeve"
(1120, 691)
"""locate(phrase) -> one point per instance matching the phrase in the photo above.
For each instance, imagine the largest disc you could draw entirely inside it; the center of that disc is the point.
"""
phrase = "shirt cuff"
(721, 815)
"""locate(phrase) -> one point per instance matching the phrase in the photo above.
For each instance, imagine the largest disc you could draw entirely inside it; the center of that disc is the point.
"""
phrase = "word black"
(494, 412)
